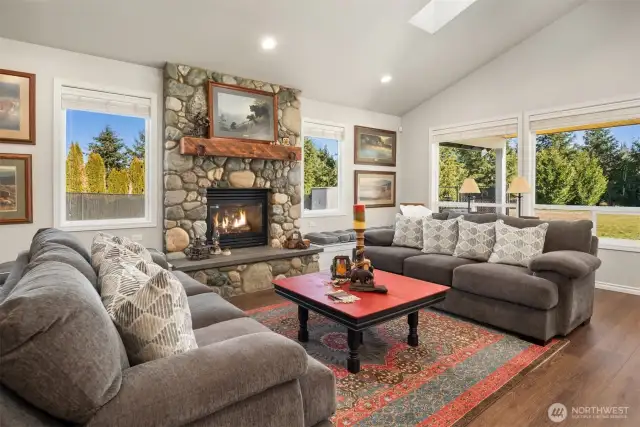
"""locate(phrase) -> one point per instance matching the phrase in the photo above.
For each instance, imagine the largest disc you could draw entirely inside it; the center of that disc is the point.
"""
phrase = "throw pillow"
(136, 248)
(151, 313)
(475, 241)
(148, 268)
(112, 254)
(415, 211)
(99, 246)
(517, 246)
(408, 232)
(440, 236)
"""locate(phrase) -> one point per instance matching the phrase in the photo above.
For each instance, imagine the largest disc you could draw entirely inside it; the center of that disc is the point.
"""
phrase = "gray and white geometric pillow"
(151, 313)
(136, 248)
(408, 232)
(439, 236)
(148, 268)
(475, 241)
(99, 246)
(112, 253)
(517, 246)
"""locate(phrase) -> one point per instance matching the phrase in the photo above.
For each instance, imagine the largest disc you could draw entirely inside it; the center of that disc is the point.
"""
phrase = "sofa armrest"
(180, 389)
(159, 258)
(572, 264)
(379, 237)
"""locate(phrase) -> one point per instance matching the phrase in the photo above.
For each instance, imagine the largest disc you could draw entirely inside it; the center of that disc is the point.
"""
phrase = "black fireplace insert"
(240, 216)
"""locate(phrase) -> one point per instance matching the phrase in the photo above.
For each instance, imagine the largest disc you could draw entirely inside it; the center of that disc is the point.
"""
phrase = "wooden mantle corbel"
(250, 150)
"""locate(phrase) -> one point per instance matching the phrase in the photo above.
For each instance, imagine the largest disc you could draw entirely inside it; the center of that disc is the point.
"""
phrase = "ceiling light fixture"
(438, 13)
(269, 43)
(385, 79)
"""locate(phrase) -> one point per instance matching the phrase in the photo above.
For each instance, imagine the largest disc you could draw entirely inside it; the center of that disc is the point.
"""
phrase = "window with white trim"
(104, 158)
(321, 168)
(587, 166)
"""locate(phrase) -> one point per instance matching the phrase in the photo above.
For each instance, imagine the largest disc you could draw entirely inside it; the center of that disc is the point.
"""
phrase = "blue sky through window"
(82, 126)
(331, 144)
(624, 134)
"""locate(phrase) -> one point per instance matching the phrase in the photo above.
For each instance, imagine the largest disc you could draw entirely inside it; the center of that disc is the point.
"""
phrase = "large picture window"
(104, 159)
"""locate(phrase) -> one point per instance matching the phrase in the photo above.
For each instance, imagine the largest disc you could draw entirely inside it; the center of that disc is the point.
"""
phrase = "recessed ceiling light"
(438, 13)
(269, 43)
(386, 78)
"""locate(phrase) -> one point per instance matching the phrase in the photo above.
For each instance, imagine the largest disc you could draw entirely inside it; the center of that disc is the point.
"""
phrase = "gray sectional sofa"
(62, 361)
(551, 297)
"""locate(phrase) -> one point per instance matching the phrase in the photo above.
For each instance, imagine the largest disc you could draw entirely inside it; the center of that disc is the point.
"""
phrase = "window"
(587, 166)
(322, 145)
(104, 158)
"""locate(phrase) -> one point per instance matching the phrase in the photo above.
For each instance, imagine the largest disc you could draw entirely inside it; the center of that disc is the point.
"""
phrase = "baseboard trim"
(618, 288)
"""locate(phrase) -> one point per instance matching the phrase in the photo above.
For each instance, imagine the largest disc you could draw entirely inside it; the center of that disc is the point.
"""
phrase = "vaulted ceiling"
(333, 50)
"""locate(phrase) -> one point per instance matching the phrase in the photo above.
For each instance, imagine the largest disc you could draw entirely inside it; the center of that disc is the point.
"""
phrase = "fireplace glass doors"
(239, 216)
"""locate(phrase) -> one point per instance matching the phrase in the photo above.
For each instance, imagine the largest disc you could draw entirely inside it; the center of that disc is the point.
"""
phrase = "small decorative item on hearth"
(297, 242)
(361, 273)
(198, 250)
(341, 267)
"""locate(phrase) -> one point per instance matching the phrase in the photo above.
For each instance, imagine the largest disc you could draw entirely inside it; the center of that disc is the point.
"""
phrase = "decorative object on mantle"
(17, 107)
(15, 189)
(247, 150)
(242, 114)
(200, 125)
(199, 250)
(297, 242)
(374, 147)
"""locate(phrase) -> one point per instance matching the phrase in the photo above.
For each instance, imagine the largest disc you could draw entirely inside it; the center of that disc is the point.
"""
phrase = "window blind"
(503, 128)
(105, 102)
(611, 114)
(319, 130)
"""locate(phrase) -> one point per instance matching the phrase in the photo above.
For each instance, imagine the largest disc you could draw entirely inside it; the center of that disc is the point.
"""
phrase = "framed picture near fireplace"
(242, 114)
(374, 146)
(375, 189)
(15, 189)
(17, 107)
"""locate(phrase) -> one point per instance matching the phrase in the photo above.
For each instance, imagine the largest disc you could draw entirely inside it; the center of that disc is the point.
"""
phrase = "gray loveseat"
(551, 297)
(62, 361)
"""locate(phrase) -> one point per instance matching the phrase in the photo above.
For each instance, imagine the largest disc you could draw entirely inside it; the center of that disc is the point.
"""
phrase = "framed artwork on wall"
(374, 146)
(242, 114)
(375, 189)
(15, 189)
(17, 107)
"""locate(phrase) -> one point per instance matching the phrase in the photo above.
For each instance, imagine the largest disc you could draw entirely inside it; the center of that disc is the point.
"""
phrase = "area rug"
(458, 370)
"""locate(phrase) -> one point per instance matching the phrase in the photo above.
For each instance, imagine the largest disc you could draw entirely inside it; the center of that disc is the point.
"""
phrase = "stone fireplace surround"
(186, 179)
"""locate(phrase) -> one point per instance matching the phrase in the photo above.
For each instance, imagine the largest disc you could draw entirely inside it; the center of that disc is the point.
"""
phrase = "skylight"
(438, 13)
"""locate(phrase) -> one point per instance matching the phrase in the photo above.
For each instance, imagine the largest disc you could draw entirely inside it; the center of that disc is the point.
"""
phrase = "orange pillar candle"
(358, 217)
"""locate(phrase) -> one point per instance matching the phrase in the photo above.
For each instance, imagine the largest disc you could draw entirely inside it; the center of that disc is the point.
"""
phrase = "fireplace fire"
(232, 222)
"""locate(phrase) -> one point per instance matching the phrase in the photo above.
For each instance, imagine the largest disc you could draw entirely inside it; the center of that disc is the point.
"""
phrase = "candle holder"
(362, 277)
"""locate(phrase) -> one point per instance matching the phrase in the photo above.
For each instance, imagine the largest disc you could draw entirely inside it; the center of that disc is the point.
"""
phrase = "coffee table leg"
(412, 339)
(303, 316)
(353, 362)
(361, 337)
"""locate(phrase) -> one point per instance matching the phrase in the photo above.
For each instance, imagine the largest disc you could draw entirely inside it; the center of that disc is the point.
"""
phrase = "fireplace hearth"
(239, 215)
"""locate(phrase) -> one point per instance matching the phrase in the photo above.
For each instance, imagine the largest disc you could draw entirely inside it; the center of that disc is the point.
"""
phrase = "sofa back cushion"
(482, 218)
(60, 350)
(53, 235)
(14, 275)
(408, 232)
(561, 235)
(49, 251)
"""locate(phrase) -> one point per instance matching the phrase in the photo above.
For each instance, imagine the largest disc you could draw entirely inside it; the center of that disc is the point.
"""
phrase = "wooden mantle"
(230, 148)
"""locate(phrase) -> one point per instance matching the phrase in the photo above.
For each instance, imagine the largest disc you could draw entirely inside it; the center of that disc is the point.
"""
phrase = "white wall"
(47, 64)
(350, 117)
(587, 55)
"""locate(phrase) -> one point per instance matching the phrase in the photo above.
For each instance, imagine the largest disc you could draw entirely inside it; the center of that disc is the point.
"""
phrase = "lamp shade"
(519, 185)
(469, 186)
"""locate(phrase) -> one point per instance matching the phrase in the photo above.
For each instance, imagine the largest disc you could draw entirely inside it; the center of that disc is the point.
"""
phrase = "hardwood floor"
(599, 367)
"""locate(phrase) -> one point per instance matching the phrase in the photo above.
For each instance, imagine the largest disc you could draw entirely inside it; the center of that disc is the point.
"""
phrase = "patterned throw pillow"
(517, 246)
(475, 241)
(440, 236)
(408, 232)
(151, 313)
(136, 248)
(148, 268)
(112, 253)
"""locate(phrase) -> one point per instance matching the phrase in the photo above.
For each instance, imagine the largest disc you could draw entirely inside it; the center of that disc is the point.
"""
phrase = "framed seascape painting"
(242, 114)
(17, 107)
(374, 146)
(15, 189)
(375, 189)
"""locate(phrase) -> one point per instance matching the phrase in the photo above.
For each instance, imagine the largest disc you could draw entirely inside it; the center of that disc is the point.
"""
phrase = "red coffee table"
(405, 297)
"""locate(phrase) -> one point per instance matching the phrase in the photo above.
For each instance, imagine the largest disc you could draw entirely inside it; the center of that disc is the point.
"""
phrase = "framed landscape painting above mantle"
(242, 114)
(374, 146)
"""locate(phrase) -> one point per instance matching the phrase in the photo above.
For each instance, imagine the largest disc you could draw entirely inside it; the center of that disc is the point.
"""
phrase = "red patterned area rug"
(458, 370)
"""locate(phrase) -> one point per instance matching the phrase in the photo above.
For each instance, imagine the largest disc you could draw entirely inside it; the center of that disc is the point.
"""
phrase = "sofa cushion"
(14, 275)
(517, 246)
(191, 285)
(475, 241)
(50, 251)
(440, 215)
(379, 237)
(228, 329)
(318, 388)
(506, 283)
(483, 218)
(389, 258)
(434, 268)
(209, 308)
(440, 237)
(408, 232)
(66, 359)
(53, 235)
(322, 238)
(561, 235)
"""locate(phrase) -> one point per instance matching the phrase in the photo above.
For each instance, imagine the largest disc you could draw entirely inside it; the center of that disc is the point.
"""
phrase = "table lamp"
(519, 186)
(469, 186)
